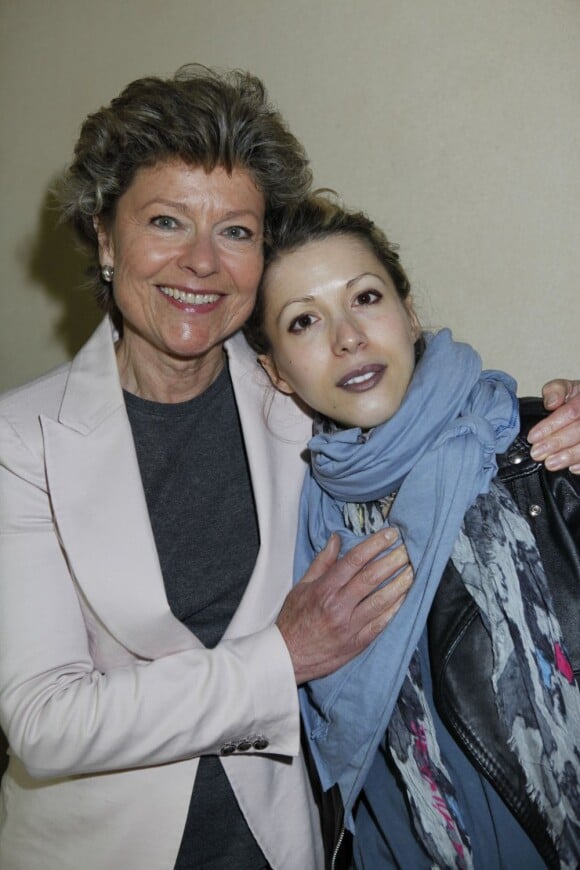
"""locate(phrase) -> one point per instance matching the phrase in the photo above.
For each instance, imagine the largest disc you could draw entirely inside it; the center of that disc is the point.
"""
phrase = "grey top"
(198, 491)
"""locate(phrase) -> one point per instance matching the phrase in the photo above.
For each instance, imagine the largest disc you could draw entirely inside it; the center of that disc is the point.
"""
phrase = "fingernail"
(554, 463)
(538, 452)
(551, 399)
(391, 534)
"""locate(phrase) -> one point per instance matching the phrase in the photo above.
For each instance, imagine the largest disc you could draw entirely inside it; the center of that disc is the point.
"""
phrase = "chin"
(371, 421)
(359, 423)
(369, 417)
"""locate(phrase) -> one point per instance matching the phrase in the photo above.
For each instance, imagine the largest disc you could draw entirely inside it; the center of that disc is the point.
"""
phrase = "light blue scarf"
(438, 454)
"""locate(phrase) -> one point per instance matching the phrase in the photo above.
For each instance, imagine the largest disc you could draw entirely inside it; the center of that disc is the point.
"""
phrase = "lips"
(190, 300)
(188, 297)
(361, 379)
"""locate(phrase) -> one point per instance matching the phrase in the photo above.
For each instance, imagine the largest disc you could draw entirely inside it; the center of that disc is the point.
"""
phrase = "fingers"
(556, 393)
(556, 440)
(323, 560)
(389, 579)
(381, 606)
(329, 617)
(371, 575)
(360, 560)
(354, 561)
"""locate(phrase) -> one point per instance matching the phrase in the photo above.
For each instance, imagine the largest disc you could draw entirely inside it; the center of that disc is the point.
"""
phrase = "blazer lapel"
(275, 433)
(100, 507)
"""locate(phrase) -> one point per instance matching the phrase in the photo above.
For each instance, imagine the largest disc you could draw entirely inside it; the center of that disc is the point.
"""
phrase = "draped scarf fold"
(438, 453)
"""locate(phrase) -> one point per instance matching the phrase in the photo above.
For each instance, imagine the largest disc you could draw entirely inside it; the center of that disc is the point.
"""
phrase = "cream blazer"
(106, 698)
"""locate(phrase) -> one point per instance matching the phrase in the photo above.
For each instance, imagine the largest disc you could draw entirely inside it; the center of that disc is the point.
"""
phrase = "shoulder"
(21, 409)
(531, 412)
(44, 395)
(517, 462)
(76, 382)
(21, 443)
(36, 396)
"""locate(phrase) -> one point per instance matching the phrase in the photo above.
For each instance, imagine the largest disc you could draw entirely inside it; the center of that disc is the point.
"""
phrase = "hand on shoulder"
(556, 440)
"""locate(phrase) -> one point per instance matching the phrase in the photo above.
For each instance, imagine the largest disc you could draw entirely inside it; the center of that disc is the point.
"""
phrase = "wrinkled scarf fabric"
(536, 697)
(438, 452)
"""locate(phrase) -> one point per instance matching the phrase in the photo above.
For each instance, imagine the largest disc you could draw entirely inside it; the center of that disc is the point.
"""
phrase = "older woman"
(149, 645)
(148, 658)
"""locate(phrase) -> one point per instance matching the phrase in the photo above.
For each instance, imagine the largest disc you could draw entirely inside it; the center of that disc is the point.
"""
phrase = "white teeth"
(360, 379)
(190, 298)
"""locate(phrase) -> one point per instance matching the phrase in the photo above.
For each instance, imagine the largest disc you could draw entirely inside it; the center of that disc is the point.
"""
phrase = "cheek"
(149, 260)
(408, 339)
(245, 271)
(252, 283)
(283, 362)
(303, 370)
(137, 260)
(408, 374)
(409, 366)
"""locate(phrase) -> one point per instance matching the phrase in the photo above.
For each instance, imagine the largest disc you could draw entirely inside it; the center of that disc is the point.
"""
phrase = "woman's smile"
(186, 299)
(186, 248)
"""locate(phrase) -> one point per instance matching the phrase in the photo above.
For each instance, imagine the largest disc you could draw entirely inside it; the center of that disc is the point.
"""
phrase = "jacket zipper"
(337, 848)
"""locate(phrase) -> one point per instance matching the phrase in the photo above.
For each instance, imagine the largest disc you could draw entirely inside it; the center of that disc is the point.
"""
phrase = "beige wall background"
(454, 123)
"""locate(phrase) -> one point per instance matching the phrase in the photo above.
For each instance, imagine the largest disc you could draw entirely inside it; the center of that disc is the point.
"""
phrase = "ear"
(271, 370)
(106, 251)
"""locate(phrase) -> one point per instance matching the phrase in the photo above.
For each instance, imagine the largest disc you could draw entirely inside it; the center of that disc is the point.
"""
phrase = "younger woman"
(454, 739)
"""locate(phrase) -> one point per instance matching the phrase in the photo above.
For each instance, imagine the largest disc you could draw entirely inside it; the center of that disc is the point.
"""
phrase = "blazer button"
(517, 458)
(261, 743)
(228, 749)
(244, 745)
(535, 510)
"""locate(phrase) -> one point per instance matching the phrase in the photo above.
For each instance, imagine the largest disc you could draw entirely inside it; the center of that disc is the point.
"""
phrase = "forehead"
(337, 258)
(175, 179)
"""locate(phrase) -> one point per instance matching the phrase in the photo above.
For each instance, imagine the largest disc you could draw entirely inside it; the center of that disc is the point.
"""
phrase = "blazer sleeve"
(64, 715)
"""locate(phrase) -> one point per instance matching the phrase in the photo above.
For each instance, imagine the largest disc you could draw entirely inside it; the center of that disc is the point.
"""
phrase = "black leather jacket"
(459, 645)
(460, 649)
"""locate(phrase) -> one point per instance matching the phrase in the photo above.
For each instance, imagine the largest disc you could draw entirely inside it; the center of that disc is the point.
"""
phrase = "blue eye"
(164, 222)
(238, 232)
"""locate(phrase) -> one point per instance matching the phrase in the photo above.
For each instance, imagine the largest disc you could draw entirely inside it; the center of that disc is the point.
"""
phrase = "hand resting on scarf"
(339, 598)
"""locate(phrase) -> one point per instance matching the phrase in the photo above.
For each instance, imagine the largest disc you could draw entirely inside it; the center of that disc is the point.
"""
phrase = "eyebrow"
(363, 275)
(182, 207)
(159, 200)
(292, 302)
(311, 298)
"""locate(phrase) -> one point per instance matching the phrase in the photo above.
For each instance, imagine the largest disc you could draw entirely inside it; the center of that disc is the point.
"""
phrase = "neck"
(150, 374)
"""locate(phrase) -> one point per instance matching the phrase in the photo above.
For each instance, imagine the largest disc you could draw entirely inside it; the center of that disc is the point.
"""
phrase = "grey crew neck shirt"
(197, 486)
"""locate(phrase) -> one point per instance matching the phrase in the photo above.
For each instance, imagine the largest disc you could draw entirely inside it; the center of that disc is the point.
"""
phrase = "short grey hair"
(201, 116)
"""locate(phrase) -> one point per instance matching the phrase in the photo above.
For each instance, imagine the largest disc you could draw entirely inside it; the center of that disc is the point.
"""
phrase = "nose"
(199, 255)
(348, 336)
